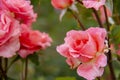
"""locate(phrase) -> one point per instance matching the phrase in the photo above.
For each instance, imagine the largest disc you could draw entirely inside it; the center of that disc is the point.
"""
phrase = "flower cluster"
(16, 34)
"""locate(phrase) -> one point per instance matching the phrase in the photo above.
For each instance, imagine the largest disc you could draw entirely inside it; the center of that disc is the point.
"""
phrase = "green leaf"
(34, 58)
(116, 5)
(116, 65)
(115, 35)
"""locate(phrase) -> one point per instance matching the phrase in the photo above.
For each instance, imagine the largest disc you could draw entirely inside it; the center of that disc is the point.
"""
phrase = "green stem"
(5, 68)
(109, 55)
(98, 78)
(105, 11)
(12, 62)
(3, 73)
(79, 1)
(96, 15)
(1, 69)
(98, 18)
(6, 64)
(26, 69)
(112, 74)
(77, 19)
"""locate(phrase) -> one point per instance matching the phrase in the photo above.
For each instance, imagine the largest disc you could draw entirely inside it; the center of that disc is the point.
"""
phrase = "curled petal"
(93, 69)
(63, 50)
(98, 34)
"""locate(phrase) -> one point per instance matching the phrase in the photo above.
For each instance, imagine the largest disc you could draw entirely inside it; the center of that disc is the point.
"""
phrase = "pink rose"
(22, 10)
(85, 50)
(93, 3)
(61, 4)
(9, 34)
(32, 40)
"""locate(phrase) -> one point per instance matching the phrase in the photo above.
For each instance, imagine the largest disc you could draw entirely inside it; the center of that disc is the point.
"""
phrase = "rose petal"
(98, 34)
(101, 60)
(89, 49)
(9, 49)
(93, 3)
(89, 71)
(63, 50)
(93, 69)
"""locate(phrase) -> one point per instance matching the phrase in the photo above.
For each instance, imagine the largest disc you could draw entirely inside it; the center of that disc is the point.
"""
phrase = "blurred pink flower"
(85, 50)
(96, 4)
(22, 10)
(32, 40)
(61, 4)
(9, 34)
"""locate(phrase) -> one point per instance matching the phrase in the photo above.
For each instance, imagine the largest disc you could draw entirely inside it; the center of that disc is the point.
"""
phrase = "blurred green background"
(52, 65)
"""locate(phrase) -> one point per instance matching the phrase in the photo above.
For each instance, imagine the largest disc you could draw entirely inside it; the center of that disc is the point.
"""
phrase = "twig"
(106, 17)
(98, 78)
(112, 74)
(109, 55)
(26, 68)
(1, 69)
(5, 68)
(3, 73)
(97, 17)
(96, 14)
(79, 1)
(78, 20)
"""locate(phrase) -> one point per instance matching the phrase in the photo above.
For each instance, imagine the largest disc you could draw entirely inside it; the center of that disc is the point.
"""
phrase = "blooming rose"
(22, 10)
(61, 4)
(9, 34)
(93, 3)
(85, 50)
(32, 40)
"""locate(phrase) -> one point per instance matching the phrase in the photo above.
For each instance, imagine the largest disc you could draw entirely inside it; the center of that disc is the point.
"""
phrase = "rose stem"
(109, 53)
(77, 19)
(1, 69)
(3, 73)
(96, 14)
(6, 64)
(26, 68)
(22, 73)
(12, 62)
(97, 17)
(106, 17)
(5, 67)
(98, 78)
(79, 1)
